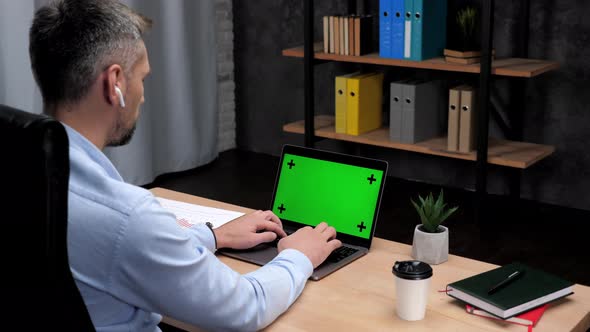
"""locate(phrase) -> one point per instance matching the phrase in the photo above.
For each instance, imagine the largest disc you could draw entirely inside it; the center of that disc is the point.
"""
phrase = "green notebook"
(529, 290)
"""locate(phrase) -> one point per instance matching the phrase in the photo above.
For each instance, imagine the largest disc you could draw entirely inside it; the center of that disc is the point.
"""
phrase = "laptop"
(314, 186)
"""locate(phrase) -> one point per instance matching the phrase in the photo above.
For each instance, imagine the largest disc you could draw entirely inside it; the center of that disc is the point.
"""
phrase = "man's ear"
(113, 77)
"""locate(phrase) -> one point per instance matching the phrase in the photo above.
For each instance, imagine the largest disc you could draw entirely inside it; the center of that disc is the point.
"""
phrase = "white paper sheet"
(192, 214)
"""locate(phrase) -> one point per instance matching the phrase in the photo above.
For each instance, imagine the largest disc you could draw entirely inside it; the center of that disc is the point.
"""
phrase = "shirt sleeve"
(165, 268)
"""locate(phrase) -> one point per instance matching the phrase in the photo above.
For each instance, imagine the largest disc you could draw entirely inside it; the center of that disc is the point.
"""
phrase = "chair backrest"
(38, 287)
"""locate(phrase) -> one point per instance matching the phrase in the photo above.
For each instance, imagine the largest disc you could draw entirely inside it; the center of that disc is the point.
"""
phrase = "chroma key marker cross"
(361, 226)
(291, 164)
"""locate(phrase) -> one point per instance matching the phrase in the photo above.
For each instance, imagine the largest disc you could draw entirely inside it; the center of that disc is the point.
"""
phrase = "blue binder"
(385, 38)
(417, 29)
(397, 29)
(409, 14)
(429, 29)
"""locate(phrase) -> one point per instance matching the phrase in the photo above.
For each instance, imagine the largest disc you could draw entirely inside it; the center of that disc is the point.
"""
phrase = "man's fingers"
(274, 218)
(268, 225)
(329, 233)
(321, 226)
(335, 244)
(266, 237)
(269, 215)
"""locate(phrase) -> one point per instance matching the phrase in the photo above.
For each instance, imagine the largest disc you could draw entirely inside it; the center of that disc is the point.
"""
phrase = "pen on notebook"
(515, 275)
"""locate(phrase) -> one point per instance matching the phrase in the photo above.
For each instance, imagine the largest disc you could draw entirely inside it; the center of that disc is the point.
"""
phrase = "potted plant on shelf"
(431, 239)
(465, 48)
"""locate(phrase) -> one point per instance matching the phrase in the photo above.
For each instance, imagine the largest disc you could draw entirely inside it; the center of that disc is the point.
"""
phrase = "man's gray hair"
(73, 41)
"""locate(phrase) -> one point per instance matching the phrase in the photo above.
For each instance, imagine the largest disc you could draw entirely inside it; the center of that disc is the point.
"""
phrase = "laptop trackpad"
(260, 254)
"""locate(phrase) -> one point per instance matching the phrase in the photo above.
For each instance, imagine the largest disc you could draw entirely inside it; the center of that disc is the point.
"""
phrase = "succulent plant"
(432, 212)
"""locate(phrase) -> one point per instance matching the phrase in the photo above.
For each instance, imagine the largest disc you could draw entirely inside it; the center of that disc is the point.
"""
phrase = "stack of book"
(464, 58)
(514, 293)
(348, 35)
(412, 29)
(358, 102)
(529, 318)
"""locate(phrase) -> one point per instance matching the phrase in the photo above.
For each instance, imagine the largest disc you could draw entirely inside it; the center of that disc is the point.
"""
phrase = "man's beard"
(123, 139)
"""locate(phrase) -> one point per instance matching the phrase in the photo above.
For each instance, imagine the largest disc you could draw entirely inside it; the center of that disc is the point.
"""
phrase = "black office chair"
(38, 288)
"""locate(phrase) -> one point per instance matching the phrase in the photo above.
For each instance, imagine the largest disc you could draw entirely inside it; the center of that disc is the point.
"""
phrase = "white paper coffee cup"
(412, 285)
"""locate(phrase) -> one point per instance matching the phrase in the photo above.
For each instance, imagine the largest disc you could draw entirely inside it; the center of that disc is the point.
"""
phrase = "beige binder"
(357, 35)
(453, 127)
(351, 35)
(341, 27)
(467, 120)
(326, 26)
(331, 23)
(346, 46)
(337, 34)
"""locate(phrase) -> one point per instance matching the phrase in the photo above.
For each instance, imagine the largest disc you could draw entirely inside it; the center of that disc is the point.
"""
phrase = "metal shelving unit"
(518, 68)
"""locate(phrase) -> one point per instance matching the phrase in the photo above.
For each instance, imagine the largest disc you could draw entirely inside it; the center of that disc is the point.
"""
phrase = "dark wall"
(269, 93)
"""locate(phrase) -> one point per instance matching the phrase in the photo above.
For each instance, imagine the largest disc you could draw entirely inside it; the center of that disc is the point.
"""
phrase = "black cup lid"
(412, 270)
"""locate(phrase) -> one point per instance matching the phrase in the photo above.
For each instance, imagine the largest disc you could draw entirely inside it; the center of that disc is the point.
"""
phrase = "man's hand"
(249, 230)
(315, 243)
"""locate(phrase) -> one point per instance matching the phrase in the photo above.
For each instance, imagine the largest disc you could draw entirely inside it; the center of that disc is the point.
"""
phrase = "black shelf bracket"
(481, 167)
(308, 83)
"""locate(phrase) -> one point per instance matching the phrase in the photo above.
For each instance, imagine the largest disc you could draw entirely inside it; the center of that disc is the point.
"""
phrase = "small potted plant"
(468, 22)
(431, 239)
(465, 48)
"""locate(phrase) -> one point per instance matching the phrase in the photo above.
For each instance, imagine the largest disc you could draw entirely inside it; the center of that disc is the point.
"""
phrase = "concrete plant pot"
(431, 248)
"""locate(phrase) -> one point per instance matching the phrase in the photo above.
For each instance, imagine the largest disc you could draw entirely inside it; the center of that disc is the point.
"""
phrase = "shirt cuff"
(207, 236)
(298, 259)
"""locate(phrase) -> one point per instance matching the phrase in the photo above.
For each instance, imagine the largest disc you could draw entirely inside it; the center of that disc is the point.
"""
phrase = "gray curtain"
(177, 129)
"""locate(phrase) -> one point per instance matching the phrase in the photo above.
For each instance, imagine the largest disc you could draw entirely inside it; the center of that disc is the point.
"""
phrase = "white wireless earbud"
(121, 99)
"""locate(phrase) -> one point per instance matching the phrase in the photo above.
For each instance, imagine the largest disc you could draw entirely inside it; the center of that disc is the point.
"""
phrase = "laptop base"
(263, 253)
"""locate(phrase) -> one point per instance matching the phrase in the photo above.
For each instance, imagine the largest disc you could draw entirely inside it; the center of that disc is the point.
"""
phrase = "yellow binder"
(363, 103)
(340, 92)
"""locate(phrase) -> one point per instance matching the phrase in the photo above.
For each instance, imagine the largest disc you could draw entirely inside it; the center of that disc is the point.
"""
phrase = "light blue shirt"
(133, 263)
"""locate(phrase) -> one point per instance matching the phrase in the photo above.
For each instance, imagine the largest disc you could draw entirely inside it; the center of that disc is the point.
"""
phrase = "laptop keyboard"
(336, 255)
(340, 253)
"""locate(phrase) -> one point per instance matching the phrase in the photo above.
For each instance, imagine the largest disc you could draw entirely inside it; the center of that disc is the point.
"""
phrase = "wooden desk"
(361, 296)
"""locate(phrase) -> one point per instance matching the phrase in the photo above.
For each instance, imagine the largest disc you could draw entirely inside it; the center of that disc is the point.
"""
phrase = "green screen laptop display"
(312, 190)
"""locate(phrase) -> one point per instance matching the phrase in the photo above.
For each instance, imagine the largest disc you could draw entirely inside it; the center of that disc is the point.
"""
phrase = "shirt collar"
(82, 144)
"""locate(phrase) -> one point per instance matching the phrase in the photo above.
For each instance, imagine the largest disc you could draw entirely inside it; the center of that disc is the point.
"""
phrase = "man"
(130, 259)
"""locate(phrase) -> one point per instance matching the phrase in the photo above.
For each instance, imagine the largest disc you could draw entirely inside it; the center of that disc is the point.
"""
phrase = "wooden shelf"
(514, 67)
(500, 152)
